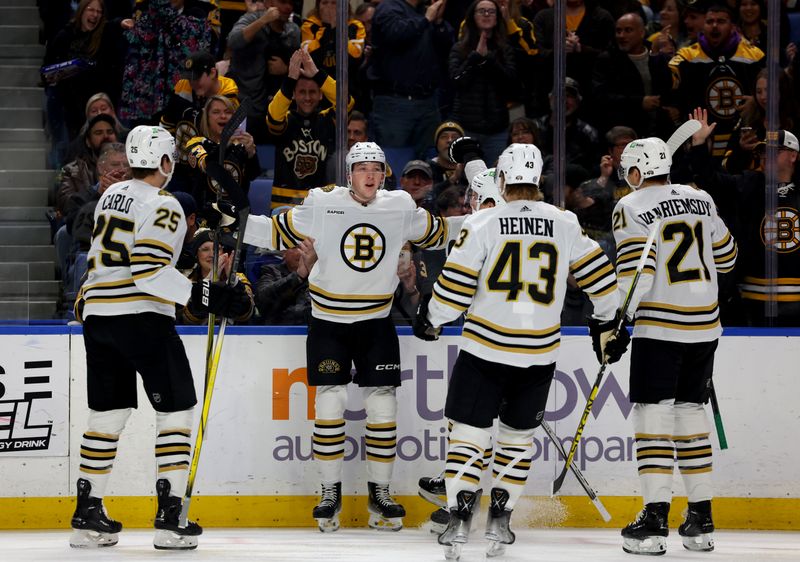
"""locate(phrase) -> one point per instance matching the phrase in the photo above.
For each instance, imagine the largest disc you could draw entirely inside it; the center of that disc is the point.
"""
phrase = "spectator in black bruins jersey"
(305, 137)
(318, 33)
(717, 72)
(182, 114)
(242, 293)
(241, 160)
(740, 198)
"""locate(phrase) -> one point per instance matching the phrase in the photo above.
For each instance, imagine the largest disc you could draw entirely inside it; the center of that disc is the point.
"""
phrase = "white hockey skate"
(457, 533)
(498, 531)
(169, 534)
(91, 526)
(385, 514)
(327, 511)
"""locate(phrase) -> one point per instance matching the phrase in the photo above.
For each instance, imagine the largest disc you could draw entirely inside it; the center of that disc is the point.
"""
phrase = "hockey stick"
(224, 179)
(623, 311)
(723, 441)
(578, 474)
(225, 138)
(682, 134)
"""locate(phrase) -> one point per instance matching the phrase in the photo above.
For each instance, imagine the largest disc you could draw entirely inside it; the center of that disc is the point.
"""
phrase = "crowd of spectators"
(420, 74)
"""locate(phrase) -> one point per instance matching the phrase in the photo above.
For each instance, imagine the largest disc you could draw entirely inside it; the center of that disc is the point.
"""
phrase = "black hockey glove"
(423, 329)
(607, 344)
(219, 298)
(221, 215)
(465, 149)
(224, 179)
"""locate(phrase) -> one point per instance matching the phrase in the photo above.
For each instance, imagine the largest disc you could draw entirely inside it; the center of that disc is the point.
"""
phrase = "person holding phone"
(241, 160)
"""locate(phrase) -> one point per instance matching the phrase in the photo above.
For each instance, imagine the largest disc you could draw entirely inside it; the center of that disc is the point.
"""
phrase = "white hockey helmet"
(482, 188)
(651, 156)
(146, 146)
(364, 152)
(519, 163)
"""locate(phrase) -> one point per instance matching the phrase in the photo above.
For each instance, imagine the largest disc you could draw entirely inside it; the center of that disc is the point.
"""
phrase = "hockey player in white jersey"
(358, 232)
(128, 309)
(675, 335)
(509, 271)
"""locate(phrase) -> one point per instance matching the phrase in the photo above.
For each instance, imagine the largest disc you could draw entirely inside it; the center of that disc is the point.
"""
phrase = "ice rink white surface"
(309, 545)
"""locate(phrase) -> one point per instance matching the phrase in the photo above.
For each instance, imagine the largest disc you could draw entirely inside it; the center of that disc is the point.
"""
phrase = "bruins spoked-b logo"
(724, 96)
(363, 247)
(783, 232)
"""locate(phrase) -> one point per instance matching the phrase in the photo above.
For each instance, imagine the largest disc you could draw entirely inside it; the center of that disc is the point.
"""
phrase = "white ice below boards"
(409, 545)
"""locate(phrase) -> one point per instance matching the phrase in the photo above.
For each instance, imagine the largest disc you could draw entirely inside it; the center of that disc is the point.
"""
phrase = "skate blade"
(652, 546)
(495, 548)
(170, 540)
(385, 523)
(84, 538)
(328, 525)
(700, 543)
(433, 498)
(453, 551)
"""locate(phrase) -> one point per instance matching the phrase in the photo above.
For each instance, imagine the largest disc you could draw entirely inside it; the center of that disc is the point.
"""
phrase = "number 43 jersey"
(508, 269)
(676, 296)
(137, 239)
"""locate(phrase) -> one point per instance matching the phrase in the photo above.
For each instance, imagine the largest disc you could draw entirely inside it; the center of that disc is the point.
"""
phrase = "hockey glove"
(221, 215)
(219, 298)
(608, 346)
(465, 149)
(423, 329)
(224, 179)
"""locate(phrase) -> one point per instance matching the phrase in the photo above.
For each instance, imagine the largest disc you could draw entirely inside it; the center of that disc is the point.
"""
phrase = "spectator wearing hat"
(203, 249)
(446, 173)
(417, 180)
(408, 65)
(182, 116)
(581, 138)
(694, 18)
(740, 199)
(609, 186)
(483, 69)
(261, 44)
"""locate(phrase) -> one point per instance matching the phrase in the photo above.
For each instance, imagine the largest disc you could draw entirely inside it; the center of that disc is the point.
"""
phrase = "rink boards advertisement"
(258, 436)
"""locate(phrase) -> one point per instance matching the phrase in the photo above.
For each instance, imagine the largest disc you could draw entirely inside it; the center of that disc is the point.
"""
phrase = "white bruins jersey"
(358, 247)
(137, 239)
(509, 267)
(676, 297)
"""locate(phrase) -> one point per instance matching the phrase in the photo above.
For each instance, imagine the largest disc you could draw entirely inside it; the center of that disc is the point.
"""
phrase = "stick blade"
(682, 134)
(558, 482)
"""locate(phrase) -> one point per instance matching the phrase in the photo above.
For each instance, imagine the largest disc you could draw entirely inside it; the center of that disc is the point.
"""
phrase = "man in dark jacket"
(409, 61)
(631, 86)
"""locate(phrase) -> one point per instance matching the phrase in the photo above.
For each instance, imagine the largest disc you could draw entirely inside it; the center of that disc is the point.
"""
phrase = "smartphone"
(242, 127)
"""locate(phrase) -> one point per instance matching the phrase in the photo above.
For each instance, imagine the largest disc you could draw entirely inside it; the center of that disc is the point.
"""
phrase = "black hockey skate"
(385, 514)
(648, 534)
(698, 528)
(457, 533)
(438, 521)
(498, 531)
(432, 488)
(327, 511)
(169, 534)
(91, 525)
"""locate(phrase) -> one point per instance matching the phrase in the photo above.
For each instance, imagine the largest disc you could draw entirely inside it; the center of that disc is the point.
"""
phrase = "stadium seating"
(266, 158)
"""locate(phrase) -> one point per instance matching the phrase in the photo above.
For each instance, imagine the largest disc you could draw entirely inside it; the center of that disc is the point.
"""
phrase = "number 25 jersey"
(137, 239)
(676, 296)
